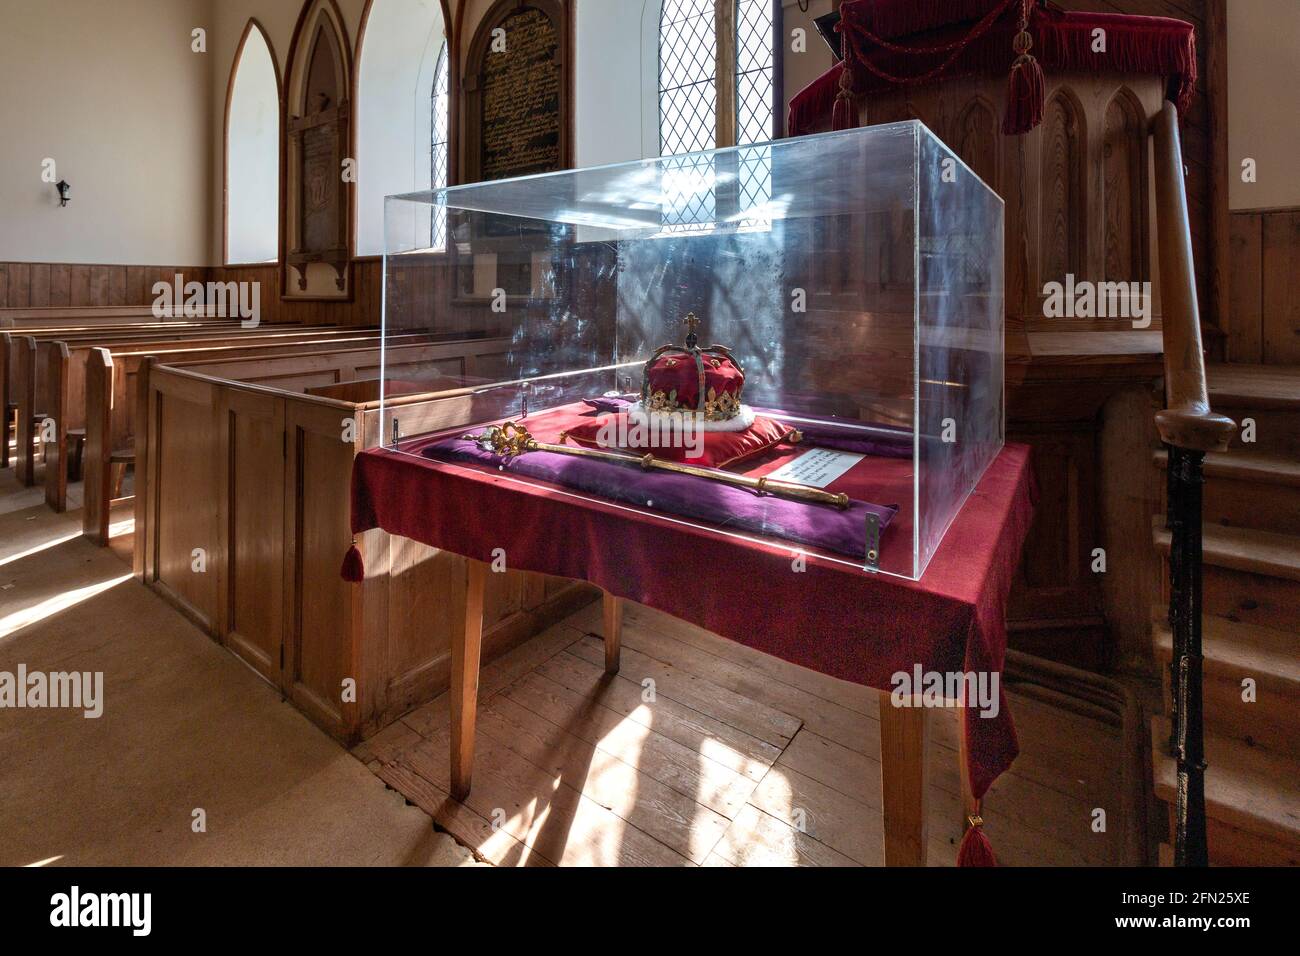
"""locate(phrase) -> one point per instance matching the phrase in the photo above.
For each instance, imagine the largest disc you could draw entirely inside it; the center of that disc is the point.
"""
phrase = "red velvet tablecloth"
(835, 619)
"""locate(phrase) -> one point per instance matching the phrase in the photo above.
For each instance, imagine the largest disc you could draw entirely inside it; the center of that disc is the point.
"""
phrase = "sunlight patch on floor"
(43, 546)
(55, 605)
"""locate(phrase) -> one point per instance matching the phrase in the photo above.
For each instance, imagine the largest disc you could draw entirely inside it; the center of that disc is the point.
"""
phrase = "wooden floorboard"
(702, 751)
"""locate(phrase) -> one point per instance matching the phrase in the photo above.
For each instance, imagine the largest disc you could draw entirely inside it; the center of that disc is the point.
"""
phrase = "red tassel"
(354, 568)
(975, 849)
(1024, 97)
(844, 115)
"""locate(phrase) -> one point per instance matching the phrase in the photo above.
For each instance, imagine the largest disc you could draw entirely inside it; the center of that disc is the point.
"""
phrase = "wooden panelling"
(255, 594)
(26, 285)
(187, 488)
(1124, 190)
(1063, 210)
(1264, 325)
(272, 470)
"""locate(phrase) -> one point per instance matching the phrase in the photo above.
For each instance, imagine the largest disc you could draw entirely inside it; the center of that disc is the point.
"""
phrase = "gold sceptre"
(512, 438)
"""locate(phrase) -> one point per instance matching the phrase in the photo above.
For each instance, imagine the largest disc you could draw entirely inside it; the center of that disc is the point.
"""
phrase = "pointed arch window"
(440, 151)
(252, 164)
(402, 134)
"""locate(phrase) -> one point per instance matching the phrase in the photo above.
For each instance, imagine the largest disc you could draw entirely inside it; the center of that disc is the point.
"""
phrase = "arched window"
(401, 109)
(439, 149)
(252, 152)
(697, 60)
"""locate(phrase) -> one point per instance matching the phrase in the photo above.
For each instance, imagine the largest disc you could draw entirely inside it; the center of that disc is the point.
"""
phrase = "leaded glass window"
(688, 88)
(438, 156)
(755, 72)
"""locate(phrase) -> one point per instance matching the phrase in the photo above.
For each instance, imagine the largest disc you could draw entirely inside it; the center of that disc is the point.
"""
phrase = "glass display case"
(798, 344)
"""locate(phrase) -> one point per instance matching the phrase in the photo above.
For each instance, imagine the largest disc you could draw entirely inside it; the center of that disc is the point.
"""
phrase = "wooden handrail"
(1186, 421)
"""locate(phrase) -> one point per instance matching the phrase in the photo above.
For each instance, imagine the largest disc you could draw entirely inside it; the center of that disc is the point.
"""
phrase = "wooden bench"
(55, 379)
(273, 469)
(60, 315)
(127, 328)
(110, 391)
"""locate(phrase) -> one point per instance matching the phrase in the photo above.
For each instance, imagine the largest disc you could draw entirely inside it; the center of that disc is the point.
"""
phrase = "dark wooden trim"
(252, 24)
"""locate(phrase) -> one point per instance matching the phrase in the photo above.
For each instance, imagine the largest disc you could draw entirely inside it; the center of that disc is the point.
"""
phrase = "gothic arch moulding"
(1124, 186)
(317, 224)
(1062, 237)
(976, 139)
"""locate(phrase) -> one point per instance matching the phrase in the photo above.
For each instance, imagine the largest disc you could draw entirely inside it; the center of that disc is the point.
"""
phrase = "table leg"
(613, 631)
(903, 781)
(970, 807)
(465, 651)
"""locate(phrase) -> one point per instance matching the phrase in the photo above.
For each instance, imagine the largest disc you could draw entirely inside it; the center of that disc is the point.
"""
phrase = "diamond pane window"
(440, 104)
(755, 74)
(687, 77)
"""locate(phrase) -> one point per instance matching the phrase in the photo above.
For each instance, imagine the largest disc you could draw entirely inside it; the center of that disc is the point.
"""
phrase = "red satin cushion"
(720, 449)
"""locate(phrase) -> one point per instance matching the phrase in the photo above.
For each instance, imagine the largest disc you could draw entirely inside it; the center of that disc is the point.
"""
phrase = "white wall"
(113, 93)
(398, 55)
(616, 111)
(253, 157)
(1264, 102)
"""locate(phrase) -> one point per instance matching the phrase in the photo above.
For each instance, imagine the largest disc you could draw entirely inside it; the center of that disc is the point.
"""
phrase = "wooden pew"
(11, 355)
(60, 381)
(35, 375)
(274, 470)
(110, 408)
(7, 334)
(43, 316)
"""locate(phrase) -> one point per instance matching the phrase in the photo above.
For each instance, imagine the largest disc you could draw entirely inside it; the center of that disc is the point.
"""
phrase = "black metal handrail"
(1189, 429)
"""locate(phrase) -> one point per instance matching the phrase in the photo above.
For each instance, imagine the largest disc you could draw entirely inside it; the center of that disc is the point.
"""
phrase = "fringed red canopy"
(891, 43)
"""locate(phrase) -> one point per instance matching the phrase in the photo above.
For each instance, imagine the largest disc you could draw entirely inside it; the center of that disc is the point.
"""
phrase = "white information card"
(817, 467)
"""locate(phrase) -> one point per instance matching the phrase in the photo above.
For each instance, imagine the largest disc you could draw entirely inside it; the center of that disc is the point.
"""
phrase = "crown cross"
(691, 322)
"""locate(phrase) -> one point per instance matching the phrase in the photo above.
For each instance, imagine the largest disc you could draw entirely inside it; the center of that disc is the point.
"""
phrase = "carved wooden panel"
(1061, 237)
(317, 214)
(1124, 190)
(975, 139)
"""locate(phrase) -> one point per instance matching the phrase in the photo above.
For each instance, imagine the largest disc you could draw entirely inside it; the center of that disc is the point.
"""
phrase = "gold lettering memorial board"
(522, 86)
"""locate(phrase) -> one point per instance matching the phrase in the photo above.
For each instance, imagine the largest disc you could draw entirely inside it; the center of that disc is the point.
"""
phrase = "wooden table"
(904, 738)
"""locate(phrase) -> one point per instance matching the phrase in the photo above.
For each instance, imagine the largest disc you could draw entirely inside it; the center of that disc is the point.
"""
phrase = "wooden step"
(1245, 490)
(1253, 386)
(1251, 798)
(1243, 549)
(1268, 394)
(1234, 651)
(1244, 466)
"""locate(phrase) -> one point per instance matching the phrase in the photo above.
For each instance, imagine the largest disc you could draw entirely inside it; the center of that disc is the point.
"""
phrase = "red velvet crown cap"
(706, 381)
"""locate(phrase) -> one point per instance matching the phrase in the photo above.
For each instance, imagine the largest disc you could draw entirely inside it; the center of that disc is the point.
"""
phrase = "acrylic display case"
(855, 277)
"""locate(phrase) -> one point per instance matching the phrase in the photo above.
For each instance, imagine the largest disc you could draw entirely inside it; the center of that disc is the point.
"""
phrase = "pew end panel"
(277, 465)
